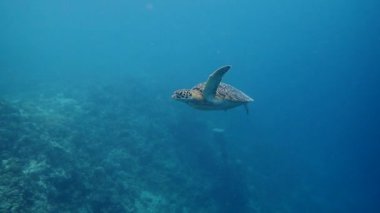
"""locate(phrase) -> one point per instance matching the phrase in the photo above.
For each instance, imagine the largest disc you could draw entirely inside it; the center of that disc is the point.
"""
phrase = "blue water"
(311, 142)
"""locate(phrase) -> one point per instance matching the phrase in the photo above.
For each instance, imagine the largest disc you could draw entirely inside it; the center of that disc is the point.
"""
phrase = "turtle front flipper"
(246, 109)
(213, 82)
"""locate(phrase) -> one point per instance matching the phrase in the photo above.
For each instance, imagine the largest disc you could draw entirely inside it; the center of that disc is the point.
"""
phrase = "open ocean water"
(87, 123)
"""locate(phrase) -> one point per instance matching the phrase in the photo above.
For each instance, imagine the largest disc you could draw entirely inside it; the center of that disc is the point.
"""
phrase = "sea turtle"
(213, 94)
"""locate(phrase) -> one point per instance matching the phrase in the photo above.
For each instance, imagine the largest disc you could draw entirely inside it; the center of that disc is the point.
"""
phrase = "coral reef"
(103, 150)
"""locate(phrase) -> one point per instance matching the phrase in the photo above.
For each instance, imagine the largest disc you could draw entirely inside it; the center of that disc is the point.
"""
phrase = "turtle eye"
(181, 94)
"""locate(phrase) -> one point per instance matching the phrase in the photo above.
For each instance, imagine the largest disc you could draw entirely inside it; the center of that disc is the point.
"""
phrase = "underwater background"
(87, 123)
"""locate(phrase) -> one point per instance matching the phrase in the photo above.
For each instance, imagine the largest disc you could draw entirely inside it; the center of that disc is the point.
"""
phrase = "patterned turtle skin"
(223, 97)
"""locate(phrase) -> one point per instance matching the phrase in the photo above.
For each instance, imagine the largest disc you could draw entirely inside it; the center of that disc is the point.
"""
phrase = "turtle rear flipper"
(213, 82)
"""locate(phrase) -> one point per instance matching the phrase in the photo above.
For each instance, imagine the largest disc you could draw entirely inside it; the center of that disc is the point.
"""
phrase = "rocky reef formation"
(104, 150)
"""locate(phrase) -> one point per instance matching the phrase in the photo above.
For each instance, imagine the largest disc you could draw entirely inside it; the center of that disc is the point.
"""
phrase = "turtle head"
(183, 95)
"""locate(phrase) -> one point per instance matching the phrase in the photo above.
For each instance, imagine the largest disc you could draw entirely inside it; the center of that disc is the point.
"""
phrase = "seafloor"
(112, 149)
